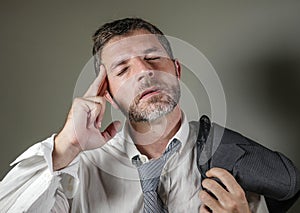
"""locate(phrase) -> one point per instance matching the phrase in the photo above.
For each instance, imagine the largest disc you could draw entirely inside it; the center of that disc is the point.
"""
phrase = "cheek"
(113, 85)
(168, 78)
(121, 90)
(168, 71)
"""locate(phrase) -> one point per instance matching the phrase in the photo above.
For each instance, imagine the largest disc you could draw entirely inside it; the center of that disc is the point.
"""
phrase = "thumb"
(111, 130)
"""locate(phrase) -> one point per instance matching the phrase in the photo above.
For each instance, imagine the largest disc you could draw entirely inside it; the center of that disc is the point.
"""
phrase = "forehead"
(135, 44)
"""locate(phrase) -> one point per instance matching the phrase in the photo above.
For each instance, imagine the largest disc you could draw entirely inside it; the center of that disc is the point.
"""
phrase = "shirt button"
(143, 158)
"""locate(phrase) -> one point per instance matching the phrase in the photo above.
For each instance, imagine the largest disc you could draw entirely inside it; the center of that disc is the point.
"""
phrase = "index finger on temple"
(99, 85)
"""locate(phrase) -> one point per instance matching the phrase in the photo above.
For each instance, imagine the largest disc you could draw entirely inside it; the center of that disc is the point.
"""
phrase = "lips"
(149, 92)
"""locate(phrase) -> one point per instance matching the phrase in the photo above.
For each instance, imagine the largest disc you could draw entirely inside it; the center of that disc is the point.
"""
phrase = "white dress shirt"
(102, 180)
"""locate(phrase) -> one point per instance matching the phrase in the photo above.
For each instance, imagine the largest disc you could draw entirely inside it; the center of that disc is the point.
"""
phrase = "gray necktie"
(149, 176)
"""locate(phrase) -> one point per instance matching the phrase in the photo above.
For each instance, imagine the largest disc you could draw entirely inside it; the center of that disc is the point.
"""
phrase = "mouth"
(149, 92)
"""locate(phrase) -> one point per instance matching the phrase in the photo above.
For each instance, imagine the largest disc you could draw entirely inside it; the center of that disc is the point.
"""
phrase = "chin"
(151, 113)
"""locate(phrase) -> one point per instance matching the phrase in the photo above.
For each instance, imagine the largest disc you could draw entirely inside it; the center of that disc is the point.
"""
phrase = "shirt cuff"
(69, 174)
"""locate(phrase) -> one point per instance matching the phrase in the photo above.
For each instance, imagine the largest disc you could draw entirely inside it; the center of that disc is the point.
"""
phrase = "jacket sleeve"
(259, 169)
(273, 175)
(33, 186)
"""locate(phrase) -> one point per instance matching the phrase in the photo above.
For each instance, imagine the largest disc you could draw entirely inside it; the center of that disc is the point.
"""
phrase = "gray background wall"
(253, 45)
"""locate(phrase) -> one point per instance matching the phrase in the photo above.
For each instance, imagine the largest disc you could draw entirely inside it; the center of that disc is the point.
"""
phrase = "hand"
(232, 200)
(81, 130)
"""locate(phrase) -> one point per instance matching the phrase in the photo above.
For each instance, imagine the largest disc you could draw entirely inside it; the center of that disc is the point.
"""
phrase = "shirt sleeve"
(33, 185)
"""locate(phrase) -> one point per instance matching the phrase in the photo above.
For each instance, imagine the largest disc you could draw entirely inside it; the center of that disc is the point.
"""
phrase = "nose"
(142, 69)
(145, 74)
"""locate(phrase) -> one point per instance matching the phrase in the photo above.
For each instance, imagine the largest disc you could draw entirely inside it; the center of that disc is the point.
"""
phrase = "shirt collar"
(131, 150)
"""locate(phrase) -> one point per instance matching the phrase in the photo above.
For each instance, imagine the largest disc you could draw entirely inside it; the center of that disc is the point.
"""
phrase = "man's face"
(142, 79)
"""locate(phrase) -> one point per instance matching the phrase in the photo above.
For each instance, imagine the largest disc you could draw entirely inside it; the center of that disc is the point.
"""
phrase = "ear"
(110, 99)
(177, 68)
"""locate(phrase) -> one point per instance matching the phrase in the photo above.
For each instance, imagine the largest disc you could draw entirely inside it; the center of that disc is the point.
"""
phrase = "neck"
(151, 138)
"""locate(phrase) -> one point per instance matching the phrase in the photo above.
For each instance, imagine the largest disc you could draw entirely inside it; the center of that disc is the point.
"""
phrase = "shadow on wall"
(275, 79)
(281, 77)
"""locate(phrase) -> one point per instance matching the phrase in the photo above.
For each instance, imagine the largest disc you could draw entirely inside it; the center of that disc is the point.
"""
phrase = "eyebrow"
(152, 49)
(118, 63)
(123, 61)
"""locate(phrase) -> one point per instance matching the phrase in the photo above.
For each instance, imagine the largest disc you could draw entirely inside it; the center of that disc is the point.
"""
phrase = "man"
(150, 166)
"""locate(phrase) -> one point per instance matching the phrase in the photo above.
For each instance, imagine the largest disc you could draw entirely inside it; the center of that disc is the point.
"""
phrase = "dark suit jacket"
(256, 168)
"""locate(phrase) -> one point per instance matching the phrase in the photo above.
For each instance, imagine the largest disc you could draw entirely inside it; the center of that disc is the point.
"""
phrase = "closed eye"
(151, 58)
(122, 71)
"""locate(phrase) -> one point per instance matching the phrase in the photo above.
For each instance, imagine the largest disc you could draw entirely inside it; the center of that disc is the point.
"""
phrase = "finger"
(95, 99)
(213, 186)
(99, 118)
(111, 130)
(99, 85)
(97, 109)
(103, 87)
(81, 115)
(226, 178)
(209, 201)
(204, 209)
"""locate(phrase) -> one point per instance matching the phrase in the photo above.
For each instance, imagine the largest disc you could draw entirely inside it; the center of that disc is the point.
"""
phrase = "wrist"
(64, 151)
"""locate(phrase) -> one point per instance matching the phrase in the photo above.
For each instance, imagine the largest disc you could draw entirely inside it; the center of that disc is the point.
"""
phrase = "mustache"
(148, 85)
